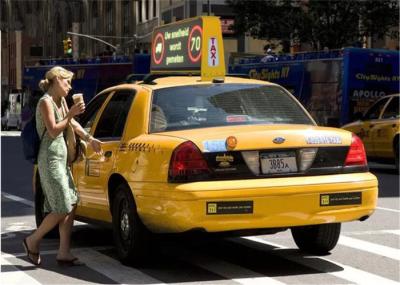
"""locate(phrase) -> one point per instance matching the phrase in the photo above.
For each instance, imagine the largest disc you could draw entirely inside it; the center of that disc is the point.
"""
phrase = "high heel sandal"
(33, 257)
(70, 262)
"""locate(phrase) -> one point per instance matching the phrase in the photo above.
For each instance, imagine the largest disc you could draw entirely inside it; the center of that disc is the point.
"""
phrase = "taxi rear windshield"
(202, 106)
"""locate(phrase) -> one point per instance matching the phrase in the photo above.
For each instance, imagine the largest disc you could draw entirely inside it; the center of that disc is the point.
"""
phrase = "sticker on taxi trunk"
(229, 207)
(214, 145)
(324, 140)
(335, 199)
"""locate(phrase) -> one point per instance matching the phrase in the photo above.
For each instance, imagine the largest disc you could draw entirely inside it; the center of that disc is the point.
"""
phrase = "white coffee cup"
(78, 98)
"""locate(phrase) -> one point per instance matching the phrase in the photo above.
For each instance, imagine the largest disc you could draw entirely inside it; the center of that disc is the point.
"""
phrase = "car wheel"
(131, 237)
(39, 213)
(317, 239)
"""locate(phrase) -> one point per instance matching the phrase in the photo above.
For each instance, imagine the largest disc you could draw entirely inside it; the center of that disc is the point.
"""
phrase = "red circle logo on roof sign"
(194, 43)
(158, 48)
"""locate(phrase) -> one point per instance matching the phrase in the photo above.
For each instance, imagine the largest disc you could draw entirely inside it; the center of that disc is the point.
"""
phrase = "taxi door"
(385, 129)
(94, 171)
(369, 125)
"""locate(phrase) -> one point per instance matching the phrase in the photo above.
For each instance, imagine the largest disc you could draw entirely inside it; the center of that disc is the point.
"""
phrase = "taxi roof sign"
(192, 46)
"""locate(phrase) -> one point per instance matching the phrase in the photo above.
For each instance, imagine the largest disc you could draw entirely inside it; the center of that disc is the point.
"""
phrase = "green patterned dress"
(55, 176)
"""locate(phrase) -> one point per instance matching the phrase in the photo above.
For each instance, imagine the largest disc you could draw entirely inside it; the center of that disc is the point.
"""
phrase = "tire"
(317, 239)
(131, 237)
(39, 214)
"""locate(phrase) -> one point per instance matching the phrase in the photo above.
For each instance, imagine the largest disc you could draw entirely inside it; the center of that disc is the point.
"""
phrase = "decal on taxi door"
(92, 168)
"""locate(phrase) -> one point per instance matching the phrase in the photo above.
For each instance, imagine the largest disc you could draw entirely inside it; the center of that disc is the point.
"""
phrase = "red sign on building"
(225, 26)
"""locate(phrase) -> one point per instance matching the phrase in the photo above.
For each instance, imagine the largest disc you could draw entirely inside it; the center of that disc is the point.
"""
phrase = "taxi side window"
(392, 110)
(92, 109)
(112, 121)
(375, 110)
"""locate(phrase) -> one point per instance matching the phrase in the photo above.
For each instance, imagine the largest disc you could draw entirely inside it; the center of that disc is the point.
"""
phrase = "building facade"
(35, 29)
(175, 10)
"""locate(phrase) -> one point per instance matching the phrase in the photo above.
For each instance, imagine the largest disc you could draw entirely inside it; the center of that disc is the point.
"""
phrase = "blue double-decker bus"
(90, 75)
(332, 85)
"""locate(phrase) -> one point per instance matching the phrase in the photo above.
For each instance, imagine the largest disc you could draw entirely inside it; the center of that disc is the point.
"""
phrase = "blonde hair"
(56, 71)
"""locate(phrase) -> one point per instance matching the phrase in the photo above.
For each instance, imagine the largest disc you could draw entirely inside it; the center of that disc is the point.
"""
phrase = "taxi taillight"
(356, 155)
(187, 164)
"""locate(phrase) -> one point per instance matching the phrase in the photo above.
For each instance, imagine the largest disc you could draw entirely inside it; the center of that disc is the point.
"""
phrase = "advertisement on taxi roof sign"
(190, 46)
(177, 46)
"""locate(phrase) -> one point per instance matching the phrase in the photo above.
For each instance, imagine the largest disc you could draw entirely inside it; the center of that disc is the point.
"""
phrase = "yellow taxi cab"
(196, 150)
(379, 129)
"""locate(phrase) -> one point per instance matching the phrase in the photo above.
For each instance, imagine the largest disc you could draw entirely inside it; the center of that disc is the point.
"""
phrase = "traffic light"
(67, 43)
(69, 47)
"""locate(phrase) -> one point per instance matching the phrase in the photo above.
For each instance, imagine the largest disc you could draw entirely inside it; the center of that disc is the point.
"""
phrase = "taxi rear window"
(202, 106)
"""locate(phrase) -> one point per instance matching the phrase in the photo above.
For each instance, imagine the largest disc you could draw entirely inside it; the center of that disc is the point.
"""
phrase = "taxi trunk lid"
(261, 151)
(258, 137)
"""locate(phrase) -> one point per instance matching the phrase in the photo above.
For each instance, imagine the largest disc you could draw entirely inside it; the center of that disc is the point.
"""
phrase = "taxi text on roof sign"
(192, 46)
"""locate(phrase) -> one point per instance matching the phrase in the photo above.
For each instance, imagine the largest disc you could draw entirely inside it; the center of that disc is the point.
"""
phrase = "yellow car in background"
(198, 151)
(379, 130)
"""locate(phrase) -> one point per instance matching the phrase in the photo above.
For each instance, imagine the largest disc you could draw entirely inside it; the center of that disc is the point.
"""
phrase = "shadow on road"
(185, 260)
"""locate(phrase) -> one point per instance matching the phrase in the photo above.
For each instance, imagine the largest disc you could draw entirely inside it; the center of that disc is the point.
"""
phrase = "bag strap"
(64, 112)
(64, 107)
(43, 133)
(55, 109)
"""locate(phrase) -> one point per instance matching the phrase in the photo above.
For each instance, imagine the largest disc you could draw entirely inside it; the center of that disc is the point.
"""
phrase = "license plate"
(278, 162)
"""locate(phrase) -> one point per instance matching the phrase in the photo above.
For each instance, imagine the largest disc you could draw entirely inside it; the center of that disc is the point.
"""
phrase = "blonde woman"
(61, 197)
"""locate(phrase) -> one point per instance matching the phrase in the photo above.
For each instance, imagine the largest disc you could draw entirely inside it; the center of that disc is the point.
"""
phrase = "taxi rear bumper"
(275, 202)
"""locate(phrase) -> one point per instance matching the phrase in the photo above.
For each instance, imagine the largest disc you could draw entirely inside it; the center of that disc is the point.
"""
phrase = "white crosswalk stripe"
(227, 270)
(18, 199)
(114, 269)
(374, 232)
(13, 276)
(92, 258)
(348, 273)
(388, 209)
(370, 247)
(234, 273)
(121, 274)
(394, 232)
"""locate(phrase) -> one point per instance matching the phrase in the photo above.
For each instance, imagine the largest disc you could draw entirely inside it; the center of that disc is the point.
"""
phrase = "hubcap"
(124, 222)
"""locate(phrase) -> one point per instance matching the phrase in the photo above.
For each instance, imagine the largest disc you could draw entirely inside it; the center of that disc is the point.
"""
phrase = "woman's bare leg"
(48, 223)
(65, 228)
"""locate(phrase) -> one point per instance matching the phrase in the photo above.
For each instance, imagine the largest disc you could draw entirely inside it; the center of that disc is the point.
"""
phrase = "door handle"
(108, 154)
